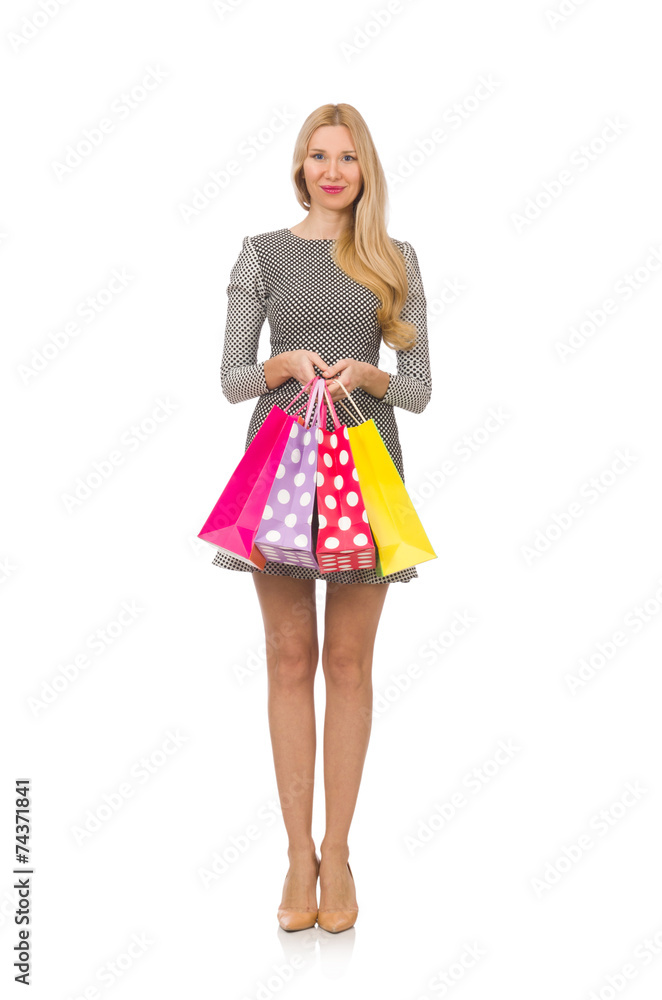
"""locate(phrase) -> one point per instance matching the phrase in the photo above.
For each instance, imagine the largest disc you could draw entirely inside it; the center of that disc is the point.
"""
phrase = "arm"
(411, 387)
(242, 376)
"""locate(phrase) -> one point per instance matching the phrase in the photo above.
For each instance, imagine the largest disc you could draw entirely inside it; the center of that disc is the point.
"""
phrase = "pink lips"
(332, 190)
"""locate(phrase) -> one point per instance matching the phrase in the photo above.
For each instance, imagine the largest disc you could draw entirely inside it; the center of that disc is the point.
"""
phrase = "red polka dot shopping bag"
(235, 518)
(400, 537)
(344, 539)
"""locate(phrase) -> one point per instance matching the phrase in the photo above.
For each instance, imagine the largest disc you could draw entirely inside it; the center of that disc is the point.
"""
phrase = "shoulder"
(273, 239)
(407, 251)
(259, 249)
(405, 248)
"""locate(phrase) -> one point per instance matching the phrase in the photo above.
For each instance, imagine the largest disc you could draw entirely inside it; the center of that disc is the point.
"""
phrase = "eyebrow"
(316, 149)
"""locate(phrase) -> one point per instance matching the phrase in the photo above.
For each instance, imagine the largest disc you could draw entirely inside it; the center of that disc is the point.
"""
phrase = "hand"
(299, 365)
(353, 375)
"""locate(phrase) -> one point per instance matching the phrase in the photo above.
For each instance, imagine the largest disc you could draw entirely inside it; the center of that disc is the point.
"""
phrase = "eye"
(316, 154)
(349, 155)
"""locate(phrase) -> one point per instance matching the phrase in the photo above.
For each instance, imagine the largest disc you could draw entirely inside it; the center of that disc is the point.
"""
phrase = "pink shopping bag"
(235, 518)
(344, 539)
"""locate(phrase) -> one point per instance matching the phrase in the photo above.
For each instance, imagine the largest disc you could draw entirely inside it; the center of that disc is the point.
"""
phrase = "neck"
(326, 224)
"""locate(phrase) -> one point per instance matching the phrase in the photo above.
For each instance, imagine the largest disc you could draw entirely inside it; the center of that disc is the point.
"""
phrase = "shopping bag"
(400, 537)
(235, 518)
(344, 539)
(285, 533)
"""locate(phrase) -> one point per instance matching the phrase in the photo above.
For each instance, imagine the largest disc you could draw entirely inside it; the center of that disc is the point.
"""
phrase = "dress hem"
(365, 575)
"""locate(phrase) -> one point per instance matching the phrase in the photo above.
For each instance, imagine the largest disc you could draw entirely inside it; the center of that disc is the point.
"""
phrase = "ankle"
(335, 852)
(299, 852)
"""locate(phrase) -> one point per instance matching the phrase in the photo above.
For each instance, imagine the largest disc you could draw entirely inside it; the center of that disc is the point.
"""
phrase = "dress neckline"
(305, 240)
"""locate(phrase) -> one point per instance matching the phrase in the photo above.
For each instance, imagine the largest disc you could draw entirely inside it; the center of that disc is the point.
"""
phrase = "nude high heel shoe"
(292, 919)
(338, 920)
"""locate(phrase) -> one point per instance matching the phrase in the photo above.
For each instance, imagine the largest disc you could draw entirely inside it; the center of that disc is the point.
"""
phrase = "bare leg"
(290, 624)
(352, 615)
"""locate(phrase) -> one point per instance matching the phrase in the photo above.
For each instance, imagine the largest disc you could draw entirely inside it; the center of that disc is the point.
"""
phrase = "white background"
(497, 874)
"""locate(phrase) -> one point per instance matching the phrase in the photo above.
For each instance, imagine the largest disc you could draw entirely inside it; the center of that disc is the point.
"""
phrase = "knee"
(292, 665)
(345, 668)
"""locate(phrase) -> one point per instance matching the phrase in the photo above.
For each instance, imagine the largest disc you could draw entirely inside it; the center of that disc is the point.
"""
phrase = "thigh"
(351, 617)
(289, 612)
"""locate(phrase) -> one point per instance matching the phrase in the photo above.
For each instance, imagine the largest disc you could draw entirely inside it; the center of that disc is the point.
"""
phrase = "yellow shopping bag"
(399, 535)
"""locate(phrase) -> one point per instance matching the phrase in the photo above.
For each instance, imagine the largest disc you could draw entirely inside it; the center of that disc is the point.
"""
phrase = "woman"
(333, 287)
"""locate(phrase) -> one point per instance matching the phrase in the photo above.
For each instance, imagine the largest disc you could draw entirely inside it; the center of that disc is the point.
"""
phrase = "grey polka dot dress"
(311, 304)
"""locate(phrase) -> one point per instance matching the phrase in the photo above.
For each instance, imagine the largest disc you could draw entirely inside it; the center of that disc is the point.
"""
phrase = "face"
(332, 163)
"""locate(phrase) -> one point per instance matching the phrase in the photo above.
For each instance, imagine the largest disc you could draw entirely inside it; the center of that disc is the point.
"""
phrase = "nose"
(332, 171)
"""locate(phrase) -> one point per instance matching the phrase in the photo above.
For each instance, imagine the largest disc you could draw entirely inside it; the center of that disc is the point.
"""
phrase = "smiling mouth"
(331, 187)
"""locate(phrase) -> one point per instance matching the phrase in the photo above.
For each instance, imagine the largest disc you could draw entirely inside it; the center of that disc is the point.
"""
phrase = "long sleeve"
(411, 387)
(242, 376)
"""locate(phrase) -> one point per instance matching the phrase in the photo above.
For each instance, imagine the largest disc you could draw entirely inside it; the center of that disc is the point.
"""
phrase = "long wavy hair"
(365, 251)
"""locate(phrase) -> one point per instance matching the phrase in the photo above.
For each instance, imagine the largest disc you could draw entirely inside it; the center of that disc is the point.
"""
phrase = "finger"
(335, 369)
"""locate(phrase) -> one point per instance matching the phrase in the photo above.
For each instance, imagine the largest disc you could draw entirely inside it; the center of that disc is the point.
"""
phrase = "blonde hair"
(365, 251)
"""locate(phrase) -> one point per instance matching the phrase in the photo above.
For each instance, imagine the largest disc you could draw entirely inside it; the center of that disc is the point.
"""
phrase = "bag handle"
(313, 400)
(319, 394)
(303, 388)
(352, 401)
(326, 396)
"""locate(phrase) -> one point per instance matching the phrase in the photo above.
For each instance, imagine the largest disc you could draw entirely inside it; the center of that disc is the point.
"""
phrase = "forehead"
(331, 137)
